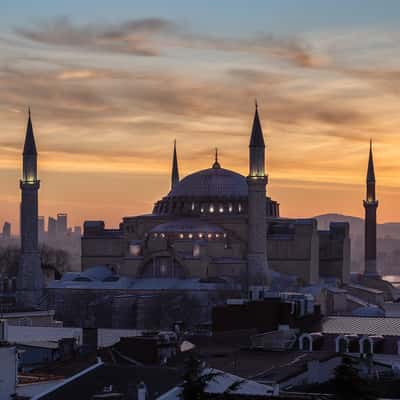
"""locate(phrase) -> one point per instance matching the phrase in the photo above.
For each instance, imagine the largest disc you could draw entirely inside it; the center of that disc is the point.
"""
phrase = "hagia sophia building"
(218, 225)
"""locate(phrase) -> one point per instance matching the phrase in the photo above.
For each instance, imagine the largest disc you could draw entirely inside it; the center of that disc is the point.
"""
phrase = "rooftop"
(362, 326)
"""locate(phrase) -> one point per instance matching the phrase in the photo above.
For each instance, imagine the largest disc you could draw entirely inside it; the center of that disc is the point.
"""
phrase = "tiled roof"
(362, 326)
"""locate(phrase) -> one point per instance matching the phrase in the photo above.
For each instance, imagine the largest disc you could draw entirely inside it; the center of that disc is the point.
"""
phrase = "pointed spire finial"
(256, 103)
(257, 137)
(30, 145)
(175, 169)
(371, 170)
(216, 163)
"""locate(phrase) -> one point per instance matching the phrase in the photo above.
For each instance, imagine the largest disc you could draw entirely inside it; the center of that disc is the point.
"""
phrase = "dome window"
(217, 235)
(211, 209)
(193, 206)
(181, 236)
(221, 208)
(209, 235)
(162, 235)
(156, 235)
(239, 207)
(230, 207)
(190, 236)
(202, 209)
(200, 235)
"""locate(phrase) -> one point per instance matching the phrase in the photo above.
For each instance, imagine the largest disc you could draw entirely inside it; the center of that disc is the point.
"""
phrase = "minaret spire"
(371, 171)
(175, 169)
(370, 205)
(30, 145)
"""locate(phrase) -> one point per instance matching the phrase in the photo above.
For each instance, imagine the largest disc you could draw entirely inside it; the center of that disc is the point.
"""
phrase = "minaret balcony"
(371, 203)
(29, 184)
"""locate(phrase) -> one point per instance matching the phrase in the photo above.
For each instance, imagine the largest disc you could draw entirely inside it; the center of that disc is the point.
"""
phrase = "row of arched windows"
(343, 343)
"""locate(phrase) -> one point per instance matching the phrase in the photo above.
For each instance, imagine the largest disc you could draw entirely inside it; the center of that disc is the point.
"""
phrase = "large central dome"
(212, 182)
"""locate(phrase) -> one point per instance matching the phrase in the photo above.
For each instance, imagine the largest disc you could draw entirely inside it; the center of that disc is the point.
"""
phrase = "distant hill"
(386, 230)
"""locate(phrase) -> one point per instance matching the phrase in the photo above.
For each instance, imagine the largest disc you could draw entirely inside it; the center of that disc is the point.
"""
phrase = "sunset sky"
(111, 84)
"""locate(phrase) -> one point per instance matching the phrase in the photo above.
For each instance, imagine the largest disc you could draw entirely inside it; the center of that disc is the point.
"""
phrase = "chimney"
(3, 331)
(142, 391)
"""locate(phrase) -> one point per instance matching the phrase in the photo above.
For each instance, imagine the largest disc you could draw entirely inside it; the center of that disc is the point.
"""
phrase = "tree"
(194, 380)
(348, 383)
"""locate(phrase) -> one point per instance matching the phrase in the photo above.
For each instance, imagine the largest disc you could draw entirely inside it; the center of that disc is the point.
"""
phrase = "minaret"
(30, 277)
(258, 274)
(175, 170)
(370, 205)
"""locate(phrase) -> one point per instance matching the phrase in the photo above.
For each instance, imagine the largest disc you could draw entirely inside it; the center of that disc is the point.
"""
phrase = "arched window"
(305, 342)
(366, 345)
(342, 344)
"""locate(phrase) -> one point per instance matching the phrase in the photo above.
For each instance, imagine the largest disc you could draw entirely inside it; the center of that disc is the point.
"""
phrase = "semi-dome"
(211, 182)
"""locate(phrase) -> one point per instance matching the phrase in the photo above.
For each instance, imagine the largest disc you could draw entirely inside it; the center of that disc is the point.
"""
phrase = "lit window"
(217, 235)
(156, 235)
(230, 207)
(193, 206)
(162, 235)
(196, 250)
(240, 207)
(181, 235)
(135, 249)
(224, 235)
(221, 208)
(209, 235)
(163, 269)
(202, 209)
(211, 209)
(190, 236)
(200, 235)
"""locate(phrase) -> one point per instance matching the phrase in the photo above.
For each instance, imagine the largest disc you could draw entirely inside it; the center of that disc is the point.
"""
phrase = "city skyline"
(111, 91)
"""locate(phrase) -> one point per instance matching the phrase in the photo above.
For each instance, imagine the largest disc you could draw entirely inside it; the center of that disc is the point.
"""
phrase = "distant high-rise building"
(78, 231)
(370, 205)
(6, 230)
(41, 229)
(30, 279)
(52, 229)
(62, 225)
